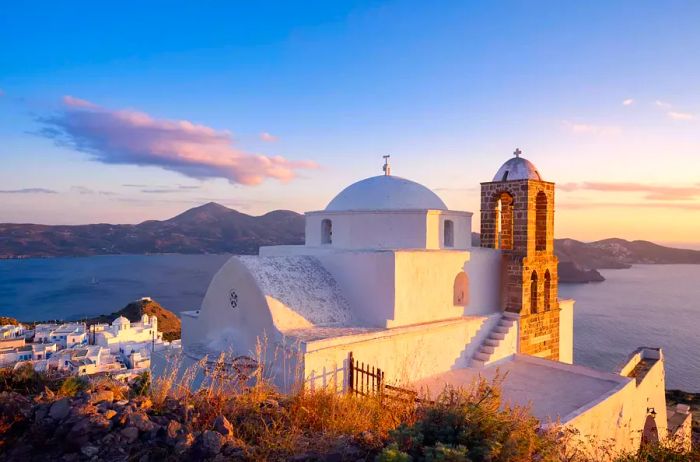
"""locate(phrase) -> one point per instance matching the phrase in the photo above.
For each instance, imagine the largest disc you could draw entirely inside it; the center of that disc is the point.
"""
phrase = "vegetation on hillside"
(227, 418)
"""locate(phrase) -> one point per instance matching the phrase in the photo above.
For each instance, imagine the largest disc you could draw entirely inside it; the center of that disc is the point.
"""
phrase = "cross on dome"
(517, 152)
(386, 167)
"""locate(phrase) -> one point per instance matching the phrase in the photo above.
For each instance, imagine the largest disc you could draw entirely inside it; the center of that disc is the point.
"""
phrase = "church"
(388, 275)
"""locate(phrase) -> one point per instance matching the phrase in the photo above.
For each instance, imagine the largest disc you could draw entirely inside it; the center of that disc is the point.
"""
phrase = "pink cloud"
(268, 137)
(136, 138)
(652, 192)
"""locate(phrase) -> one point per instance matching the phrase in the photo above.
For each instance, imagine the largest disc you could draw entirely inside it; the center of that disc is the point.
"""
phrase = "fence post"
(351, 373)
(380, 384)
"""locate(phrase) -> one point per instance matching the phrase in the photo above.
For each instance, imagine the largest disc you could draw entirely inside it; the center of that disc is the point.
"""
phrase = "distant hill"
(168, 322)
(213, 228)
(210, 228)
(579, 261)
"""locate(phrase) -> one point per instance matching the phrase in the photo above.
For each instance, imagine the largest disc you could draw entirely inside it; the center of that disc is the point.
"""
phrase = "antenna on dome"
(386, 167)
(517, 152)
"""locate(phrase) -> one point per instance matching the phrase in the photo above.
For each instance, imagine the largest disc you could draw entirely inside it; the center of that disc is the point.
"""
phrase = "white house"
(8, 331)
(65, 335)
(123, 336)
(388, 274)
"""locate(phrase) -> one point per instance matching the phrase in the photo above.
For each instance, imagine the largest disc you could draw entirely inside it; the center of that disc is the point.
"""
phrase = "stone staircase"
(492, 349)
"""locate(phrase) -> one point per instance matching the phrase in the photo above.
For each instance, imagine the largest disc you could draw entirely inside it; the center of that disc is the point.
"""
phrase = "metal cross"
(386, 167)
(517, 152)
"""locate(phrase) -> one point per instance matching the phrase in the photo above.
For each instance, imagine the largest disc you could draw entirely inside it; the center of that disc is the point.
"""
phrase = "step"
(488, 349)
(477, 363)
(482, 356)
(505, 322)
(492, 342)
(501, 329)
(496, 336)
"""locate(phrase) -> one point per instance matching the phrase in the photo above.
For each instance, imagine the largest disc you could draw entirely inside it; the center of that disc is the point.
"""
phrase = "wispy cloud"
(268, 137)
(650, 205)
(628, 102)
(136, 138)
(650, 191)
(591, 129)
(28, 191)
(83, 191)
(675, 115)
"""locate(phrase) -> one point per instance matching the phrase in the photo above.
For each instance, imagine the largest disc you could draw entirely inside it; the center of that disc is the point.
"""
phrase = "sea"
(646, 305)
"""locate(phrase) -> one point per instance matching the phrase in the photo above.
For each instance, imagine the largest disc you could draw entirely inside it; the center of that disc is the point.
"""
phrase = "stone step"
(492, 342)
(477, 363)
(482, 356)
(488, 349)
(497, 336)
(506, 322)
(501, 329)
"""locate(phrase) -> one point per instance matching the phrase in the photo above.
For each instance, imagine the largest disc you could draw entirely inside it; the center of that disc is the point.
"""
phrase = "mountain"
(579, 261)
(213, 228)
(210, 228)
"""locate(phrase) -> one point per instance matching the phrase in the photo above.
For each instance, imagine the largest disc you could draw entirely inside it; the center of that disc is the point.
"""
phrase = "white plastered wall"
(566, 331)
(619, 417)
(404, 354)
(484, 269)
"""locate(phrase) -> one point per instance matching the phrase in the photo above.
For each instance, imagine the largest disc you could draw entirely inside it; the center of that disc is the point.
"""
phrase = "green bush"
(141, 385)
(392, 453)
(73, 385)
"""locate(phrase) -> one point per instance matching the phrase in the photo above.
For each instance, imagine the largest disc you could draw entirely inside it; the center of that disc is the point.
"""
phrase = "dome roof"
(517, 168)
(121, 320)
(386, 192)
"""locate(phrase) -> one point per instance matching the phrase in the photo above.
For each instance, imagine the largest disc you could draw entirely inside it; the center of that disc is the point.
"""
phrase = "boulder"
(60, 409)
(210, 443)
(130, 434)
(223, 426)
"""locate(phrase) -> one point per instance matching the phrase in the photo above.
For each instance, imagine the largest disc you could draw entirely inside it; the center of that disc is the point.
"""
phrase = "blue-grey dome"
(386, 192)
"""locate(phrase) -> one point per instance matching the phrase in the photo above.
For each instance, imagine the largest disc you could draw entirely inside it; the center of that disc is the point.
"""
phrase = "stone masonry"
(517, 217)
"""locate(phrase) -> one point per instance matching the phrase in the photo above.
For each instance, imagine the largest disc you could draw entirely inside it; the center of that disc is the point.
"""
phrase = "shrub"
(73, 385)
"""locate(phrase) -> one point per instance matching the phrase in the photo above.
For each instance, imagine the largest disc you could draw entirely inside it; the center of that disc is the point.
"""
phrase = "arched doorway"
(461, 289)
(326, 231)
(533, 293)
(547, 290)
(448, 233)
(504, 221)
(650, 434)
(541, 221)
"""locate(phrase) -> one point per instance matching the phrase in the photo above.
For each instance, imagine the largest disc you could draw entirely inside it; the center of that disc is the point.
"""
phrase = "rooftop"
(386, 192)
(553, 390)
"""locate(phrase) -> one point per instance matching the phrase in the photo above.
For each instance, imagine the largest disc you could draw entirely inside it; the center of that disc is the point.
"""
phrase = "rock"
(130, 434)
(42, 410)
(184, 443)
(60, 409)
(109, 413)
(173, 431)
(100, 396)
(210, 443)
(87, 428)
(89, 451)
(141, 421)
(223, 426)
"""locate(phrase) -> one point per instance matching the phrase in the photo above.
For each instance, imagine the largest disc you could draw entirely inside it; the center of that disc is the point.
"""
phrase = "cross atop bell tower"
(517, 218)
(386, 167)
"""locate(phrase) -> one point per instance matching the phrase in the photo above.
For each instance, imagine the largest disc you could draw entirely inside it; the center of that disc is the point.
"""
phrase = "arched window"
(547, 290)
(326, 231)
(504, 221)
(541, 221)
(461, 289)
(448, 233)
(533, 293)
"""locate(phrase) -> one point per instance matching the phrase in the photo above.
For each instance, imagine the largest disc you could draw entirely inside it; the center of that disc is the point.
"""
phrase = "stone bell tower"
(517, 217)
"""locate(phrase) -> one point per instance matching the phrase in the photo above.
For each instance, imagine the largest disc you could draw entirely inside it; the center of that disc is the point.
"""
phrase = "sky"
(131, 111)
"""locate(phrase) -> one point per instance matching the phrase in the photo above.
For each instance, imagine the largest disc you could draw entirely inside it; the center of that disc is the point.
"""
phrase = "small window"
(326, 231)
(461, 289)
(448, 233)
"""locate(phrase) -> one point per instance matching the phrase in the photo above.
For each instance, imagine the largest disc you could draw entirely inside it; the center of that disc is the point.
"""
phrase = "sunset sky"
(126, 113)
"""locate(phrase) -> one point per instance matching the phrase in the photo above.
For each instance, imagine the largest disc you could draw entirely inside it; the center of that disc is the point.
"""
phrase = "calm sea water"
(648, 305)
(73, 288)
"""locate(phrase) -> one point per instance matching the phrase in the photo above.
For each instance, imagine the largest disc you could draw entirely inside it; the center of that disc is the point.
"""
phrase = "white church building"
(388, 273)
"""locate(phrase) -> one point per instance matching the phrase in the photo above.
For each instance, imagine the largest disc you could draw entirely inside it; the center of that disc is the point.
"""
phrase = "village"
(121, 349)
